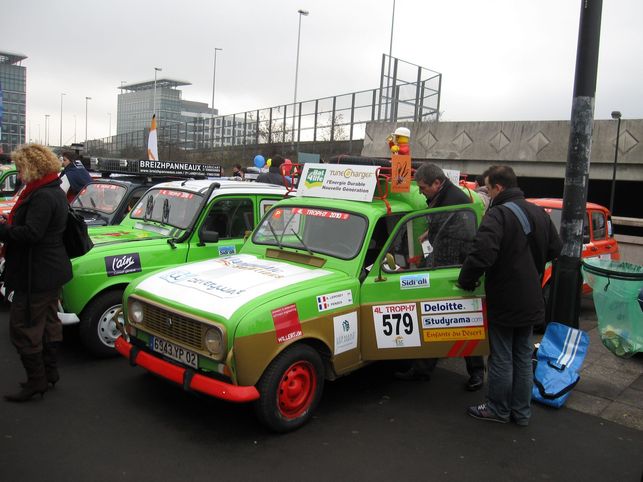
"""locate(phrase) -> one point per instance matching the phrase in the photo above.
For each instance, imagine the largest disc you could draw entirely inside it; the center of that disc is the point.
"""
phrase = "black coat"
(501, 251)
(34, 244)
(273, 176)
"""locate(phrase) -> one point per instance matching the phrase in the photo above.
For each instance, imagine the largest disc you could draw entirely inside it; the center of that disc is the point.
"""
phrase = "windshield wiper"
(302, 242)
(272, 230)
(91, 200)
(165, 217)
(149, 207)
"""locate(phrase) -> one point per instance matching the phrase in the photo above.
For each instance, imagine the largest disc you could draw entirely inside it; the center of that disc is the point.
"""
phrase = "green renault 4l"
(173, 223)
(330, 280)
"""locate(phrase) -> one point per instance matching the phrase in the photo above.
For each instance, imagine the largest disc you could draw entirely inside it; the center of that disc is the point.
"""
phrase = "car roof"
(557, 203)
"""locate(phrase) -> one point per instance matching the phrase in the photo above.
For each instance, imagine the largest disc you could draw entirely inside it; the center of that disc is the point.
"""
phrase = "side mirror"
(206, 236)
(389, 261)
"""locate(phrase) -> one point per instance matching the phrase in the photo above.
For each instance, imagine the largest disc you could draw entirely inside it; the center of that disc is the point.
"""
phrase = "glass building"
(13, 101)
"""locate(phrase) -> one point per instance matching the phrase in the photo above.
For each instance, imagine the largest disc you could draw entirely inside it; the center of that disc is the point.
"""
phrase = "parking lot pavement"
(610, 387)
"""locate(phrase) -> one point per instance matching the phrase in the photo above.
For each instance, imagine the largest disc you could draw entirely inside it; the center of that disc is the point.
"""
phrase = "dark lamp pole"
(615, 115)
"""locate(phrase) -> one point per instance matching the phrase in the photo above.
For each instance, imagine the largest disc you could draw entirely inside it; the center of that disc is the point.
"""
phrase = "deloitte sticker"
(315, 177)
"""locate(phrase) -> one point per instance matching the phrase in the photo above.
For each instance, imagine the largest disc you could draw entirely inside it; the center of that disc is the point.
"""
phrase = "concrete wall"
(534, 148)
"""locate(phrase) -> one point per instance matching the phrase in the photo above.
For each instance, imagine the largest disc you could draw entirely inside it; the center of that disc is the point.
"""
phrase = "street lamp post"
(46, 129)
(110, 125)
(87, 99)
(294, 102)
(615, 115)
(61, 118)
(214, 77)
(156, 69)
(388, 72)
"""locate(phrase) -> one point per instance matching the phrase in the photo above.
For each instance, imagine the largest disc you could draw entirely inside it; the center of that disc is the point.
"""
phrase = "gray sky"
(500, 59)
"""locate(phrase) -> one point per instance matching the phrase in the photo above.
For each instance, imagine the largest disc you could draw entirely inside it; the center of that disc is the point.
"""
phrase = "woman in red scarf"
(36, 266)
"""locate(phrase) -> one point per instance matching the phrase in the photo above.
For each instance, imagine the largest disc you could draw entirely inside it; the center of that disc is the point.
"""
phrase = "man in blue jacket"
(74, 176)
(514, 241)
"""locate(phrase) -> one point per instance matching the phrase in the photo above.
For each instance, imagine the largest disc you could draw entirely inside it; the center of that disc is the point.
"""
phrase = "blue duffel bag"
(559, 358)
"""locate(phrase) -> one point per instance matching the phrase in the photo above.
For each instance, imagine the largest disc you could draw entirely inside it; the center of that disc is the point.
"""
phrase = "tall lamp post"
(87, 99)
(294, 101)
(388, 72)
(214, 77)
(615, 115)
(110, 125)
(156, 69)
(61, 119)
(46, 129)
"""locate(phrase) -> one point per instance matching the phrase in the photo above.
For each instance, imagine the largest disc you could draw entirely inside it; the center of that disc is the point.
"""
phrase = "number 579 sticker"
(396, 326)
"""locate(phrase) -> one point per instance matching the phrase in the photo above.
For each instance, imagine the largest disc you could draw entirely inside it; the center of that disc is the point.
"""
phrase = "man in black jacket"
(513, 263)
(274, 175)
(440, 192)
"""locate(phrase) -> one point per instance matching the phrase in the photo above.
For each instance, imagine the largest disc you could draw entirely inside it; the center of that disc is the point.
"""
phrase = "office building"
(13, 101)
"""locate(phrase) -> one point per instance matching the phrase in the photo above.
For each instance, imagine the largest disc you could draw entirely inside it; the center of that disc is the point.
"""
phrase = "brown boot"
(36, 379)
(49, 357)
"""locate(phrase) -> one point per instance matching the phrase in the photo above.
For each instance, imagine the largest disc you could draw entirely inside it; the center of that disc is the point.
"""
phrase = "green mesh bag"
(616, 286)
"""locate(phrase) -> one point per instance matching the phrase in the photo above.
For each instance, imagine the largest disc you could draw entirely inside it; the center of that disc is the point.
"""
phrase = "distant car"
(598, 234)
(8, 181)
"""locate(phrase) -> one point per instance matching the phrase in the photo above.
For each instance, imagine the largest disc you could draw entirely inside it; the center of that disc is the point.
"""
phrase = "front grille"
(173, 326)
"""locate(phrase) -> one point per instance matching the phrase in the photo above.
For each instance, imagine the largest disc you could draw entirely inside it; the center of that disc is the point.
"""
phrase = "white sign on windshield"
(338, 181)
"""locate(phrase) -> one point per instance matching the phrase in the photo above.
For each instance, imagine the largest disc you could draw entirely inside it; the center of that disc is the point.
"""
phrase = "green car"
(8, 181)
(172, 224)
(323, 287)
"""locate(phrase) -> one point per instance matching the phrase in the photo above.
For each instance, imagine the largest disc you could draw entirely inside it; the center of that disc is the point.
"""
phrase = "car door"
(411, 306)
(231, 217)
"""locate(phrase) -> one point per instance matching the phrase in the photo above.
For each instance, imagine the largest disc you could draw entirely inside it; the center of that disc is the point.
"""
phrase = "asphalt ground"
(107, 421)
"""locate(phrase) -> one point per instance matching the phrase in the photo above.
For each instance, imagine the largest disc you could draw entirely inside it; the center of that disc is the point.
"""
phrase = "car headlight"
(135, 311)
(214, 342)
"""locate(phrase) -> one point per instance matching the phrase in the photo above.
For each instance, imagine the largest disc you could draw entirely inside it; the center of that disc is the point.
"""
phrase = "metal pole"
(156, 69)
(388, 74)
(46, 129)
(615, 115)
(214, 77)
(110, 124)
(567, 279)
(61, 119)
(86, 101)
(294, 100)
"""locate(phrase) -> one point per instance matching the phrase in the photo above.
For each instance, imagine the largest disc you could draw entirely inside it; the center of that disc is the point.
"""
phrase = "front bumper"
(186, 376)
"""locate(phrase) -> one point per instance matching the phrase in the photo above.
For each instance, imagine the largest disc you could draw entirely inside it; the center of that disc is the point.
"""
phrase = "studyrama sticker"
(122, 264)
(396, 326)
(287, 325)
(345, 332)
(334, 300)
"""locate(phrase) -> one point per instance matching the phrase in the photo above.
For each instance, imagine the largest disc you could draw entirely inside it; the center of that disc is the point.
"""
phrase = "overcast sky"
(500, 59)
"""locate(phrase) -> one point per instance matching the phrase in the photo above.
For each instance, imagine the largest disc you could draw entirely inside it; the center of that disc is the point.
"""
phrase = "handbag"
(76, 238)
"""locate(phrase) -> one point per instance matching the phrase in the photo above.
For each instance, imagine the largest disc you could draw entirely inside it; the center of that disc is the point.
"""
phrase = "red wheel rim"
(296, 389)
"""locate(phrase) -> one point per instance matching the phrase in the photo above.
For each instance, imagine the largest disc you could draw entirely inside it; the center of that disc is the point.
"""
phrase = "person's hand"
(467, 286)
(423, 237)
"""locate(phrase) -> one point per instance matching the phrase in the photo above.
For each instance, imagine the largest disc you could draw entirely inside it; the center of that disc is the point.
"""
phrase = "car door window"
(586, 229)
(231, 218)
(598, 225)
(449, 238)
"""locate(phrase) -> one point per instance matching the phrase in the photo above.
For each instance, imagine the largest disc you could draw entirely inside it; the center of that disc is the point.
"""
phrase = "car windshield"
(100, 196)
(334, 233)
(168, 206)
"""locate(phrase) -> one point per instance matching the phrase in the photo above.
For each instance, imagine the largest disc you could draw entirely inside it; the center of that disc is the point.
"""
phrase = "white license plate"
(175, 352)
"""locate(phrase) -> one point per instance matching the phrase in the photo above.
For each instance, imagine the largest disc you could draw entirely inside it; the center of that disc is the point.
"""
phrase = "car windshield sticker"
(236, 279)
(320, 213)
(355, 183)
(414, 281)
(452, 320)
(345, 332)
(334, 300)
(396, 326)
(122, 264)
(227, 250)
(179, 194)
(287, 325)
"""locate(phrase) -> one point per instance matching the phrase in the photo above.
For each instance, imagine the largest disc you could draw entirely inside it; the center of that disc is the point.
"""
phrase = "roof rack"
(143, 167)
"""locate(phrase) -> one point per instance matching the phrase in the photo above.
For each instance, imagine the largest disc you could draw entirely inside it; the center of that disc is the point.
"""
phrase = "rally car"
(330, 281)
(172, 224)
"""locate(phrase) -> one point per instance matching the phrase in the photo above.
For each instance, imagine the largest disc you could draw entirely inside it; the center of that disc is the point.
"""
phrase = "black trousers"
(31, 325)
(425, 366)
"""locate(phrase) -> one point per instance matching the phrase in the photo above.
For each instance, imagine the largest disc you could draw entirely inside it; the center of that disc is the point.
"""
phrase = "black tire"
(300, 369)
(97, 329)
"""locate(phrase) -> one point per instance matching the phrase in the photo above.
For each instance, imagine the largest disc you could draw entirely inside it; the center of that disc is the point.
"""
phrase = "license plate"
(174, 352)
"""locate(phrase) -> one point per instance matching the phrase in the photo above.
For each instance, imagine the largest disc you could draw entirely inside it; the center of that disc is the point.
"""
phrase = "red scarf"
(29, 188)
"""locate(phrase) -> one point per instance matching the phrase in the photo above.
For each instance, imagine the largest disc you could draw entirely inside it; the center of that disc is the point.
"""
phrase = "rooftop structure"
(13, 101)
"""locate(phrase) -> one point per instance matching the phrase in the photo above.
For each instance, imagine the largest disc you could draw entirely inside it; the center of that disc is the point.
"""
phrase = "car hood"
(222, 286)
(120, 234)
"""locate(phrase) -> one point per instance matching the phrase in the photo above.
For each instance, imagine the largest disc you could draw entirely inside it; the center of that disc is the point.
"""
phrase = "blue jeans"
(510, 375)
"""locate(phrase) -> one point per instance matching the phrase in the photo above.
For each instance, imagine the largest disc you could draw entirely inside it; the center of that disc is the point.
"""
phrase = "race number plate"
(174, 352)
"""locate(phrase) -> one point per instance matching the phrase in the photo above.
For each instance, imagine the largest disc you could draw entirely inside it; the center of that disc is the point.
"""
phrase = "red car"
(598, 234)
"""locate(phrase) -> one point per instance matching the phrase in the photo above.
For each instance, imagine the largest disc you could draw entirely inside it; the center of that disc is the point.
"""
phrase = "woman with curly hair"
(36, 266)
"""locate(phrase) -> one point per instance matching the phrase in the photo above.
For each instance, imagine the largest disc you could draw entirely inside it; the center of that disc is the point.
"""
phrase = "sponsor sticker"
(458, 305)
(287, 325)
(345, 332)
(122, 264)
(414, 281)
(227, 250)
(355, 183)
(452, 320)
(334, 300)
(454, 334)
(321, 213)
(396, 326)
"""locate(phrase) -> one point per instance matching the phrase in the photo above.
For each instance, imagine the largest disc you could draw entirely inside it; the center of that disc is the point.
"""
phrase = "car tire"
(290, 389)
(98, 328)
